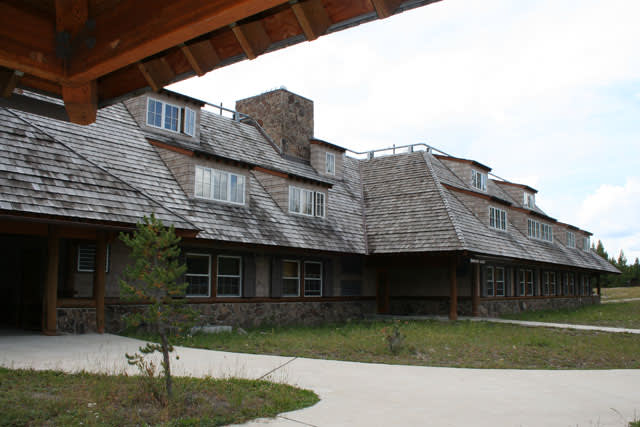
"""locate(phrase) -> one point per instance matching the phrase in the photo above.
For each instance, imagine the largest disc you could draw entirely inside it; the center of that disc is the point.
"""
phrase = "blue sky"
(547, 93)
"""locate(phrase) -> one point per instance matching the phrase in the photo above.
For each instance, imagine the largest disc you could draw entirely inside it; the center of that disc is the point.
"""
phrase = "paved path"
(516, 322)
(611, 301)
(361, 394)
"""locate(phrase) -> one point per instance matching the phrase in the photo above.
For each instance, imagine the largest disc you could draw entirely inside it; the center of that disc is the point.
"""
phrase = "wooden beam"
(157, 72)
(312, 17)
(202, 56)
(453, 290)
(51, 284)
(136, 29)
(8, 81)
(100, 279)
(71, 15)
(27, 43)
(252, 37)
(475, 290)
(81, 102)
(35, 106)
(385, 8)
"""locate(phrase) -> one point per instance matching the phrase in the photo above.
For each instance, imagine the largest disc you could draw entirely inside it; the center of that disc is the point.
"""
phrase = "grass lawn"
(435, 343)
(622, 315)
(620, 293)
(53, 398)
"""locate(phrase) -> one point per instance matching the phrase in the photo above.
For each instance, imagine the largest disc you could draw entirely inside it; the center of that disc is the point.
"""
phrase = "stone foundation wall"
(431, 306)
(76, 320)
(495, 308)
(260, 313)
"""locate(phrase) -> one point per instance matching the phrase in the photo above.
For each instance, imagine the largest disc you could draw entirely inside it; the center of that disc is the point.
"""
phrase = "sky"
(547, 93)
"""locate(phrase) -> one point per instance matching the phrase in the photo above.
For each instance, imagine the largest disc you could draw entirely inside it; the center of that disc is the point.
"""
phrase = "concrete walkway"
(611, 301)
(361, 394)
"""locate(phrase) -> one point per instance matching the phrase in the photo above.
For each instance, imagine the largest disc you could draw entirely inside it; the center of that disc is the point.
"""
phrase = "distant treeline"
(630, 272)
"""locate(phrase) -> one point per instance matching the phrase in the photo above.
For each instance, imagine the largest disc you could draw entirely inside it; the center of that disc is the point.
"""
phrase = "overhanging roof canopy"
(92, 53)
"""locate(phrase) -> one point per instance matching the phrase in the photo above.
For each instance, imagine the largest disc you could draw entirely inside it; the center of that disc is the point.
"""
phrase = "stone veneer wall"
(495, 308)
(261, 313)
(76, 320)
(286, 117)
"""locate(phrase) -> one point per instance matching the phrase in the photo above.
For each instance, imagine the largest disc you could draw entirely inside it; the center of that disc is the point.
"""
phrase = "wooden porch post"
(453, 290)
(598, 284)
(51, 285)
(475, 290)
(99, 279)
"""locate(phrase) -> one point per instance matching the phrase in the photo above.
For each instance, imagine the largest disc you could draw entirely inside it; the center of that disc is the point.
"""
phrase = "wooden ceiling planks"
(115, 48)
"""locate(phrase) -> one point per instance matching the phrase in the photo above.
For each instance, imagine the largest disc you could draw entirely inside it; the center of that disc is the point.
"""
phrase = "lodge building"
(277, 226)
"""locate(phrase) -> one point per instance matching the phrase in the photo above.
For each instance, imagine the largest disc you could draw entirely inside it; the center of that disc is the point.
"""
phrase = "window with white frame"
(290, 278)
(539, 231)
(571, 239)
(491, 290)
(312, 279)
(229, 276)
(549, 283)
(571, 285)
(330, 163)
(163, 115)
(306, 202)
(586, 244)
(526, 283)
(533, 228)
(586, 285)
(214, 184)
(497, 218)
(528, 200)
(478, 180)
(500, 285)
(198, 275)
(189, 121)
(546, 232)
(86, 262)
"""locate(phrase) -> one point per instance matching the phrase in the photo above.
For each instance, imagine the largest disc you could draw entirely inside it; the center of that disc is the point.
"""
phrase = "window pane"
(308, 203)
(197, 264)
(312, 270)
(331, 163)
(154, 113)
(294, 199)
(320, 204)
(228, 286)
(171, 117)
(220, 182)
(237, 188)
(190, 122)
(290, 287)
(289, 269)
(229, 266)
(312, 287)
(197, 285)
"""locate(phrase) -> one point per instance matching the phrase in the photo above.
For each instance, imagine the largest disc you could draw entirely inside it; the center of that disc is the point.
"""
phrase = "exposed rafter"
(81, 102)
(202, 56)
(157, 72)
(386, 8)
(312, 17)
(252, 37)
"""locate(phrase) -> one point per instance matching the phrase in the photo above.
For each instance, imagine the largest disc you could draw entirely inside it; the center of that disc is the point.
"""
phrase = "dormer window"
(219, 185)
(571, 239)
(539, 231)
(528, 200)
(498, 219)
(331, 163)
(586, 244)
(478, 180)
(166, 116)
(306, 202)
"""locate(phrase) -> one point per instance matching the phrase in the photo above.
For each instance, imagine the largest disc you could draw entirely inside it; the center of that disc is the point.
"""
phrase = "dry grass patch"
(620, 293)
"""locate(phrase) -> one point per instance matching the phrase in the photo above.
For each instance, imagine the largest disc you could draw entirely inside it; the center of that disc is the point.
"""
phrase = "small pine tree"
(154, 277)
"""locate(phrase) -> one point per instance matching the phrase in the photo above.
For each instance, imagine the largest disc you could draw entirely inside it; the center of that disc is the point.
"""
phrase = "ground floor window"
(86, 262)
(229, 276)
(490, 286)
(290, 278)
(526, 283)
(586, 285)
(312, 279)
(198, 275)
(549, 283)
(500, 288)
(495, 282)
(571, 284)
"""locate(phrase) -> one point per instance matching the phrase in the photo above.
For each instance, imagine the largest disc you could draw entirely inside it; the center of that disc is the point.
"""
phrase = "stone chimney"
(286, 117)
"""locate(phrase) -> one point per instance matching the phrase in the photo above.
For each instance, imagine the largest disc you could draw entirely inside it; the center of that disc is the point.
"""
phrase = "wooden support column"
(598, 284)
(81, 102)
(51, 284)
(312, 17)
(100, 279)
(475, 290)
(453, 290)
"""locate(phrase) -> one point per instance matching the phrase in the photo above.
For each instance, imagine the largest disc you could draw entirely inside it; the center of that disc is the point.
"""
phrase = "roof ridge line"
(445, 202)
(102, 169)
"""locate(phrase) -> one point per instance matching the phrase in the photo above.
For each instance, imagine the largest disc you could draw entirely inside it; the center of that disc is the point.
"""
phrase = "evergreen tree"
(154, 277)
(622, 260)
(600, 250)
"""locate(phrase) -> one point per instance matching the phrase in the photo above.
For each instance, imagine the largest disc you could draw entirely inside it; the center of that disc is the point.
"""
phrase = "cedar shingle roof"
(109, 171)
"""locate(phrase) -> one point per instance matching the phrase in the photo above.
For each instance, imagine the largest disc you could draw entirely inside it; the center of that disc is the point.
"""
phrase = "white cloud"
(614, 211)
